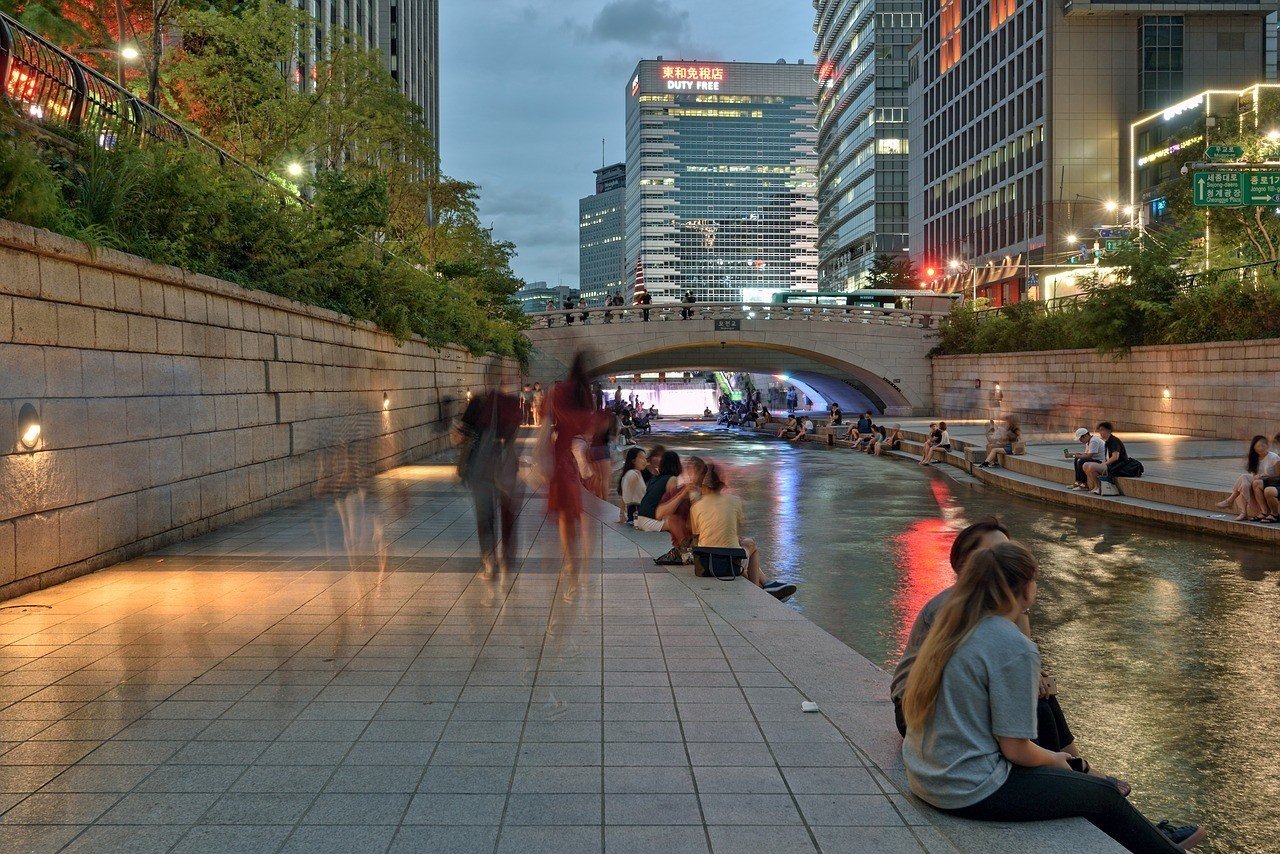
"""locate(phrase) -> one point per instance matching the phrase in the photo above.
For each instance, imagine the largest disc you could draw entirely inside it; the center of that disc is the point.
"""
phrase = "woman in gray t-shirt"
(970, 709)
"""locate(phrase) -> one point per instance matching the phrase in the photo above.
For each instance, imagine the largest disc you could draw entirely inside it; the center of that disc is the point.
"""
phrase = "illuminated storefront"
(1161, 141)
(721, 183)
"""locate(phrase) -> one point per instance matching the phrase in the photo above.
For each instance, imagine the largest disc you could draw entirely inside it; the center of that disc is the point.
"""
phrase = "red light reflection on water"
(922, 555)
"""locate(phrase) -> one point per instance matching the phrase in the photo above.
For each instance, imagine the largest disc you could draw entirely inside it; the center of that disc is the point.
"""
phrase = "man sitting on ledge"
(1117, 463)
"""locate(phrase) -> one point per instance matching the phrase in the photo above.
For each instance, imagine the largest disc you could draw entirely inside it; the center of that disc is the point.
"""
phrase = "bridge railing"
(734, 311)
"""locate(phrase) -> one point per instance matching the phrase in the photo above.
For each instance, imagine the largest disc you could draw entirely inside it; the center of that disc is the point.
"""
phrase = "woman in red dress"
(574, 419)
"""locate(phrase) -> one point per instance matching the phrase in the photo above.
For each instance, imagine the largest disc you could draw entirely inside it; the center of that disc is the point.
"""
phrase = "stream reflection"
(1166, 645)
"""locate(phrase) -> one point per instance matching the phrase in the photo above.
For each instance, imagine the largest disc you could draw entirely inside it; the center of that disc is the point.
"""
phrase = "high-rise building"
(863, 124)
(721, 178)
(1026, 108)
(602, 256)
(407, 32)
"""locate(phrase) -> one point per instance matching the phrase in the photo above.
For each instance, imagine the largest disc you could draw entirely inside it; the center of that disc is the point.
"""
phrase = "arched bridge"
(847, 354)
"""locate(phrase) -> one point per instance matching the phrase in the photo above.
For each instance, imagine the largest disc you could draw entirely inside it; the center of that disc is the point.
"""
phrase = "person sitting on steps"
(716, 520)
(1095, 451)
(1117, 462)
(939, 445)
(1012, 436)
(1053, 733)
(971, 719)
(892, 442)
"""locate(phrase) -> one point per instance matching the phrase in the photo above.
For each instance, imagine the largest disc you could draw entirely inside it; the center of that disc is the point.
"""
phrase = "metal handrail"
(49, 87)
(740, 311)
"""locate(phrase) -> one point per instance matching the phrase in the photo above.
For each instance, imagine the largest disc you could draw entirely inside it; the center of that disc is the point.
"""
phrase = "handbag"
(719, 563)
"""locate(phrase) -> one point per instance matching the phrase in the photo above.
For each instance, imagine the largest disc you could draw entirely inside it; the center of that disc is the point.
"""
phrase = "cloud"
(641, 23)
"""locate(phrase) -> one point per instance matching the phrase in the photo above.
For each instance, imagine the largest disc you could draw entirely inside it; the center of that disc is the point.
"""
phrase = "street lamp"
(1273, 135)
(129, 53)
(295, 169)
(1073, 238)
(1110, 206)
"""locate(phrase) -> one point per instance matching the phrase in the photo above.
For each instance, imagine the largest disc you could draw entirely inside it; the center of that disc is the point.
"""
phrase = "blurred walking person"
(487, 464)
(573, 421)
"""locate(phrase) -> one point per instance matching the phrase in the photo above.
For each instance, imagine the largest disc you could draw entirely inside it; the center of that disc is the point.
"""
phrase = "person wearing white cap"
(1094, 452)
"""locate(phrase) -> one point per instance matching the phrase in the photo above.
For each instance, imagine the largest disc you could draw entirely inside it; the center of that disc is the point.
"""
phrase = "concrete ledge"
(853, 693)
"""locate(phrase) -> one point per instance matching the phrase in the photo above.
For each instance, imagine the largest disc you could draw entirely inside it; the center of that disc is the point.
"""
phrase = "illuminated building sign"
(692, 78)
(635, 86)
(1161, 154)
(1177, 109)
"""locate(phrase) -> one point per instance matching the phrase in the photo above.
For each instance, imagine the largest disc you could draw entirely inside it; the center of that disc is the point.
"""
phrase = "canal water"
(1166, 646)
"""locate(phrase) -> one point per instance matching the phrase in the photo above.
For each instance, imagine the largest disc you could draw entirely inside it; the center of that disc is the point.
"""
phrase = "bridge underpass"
(854, 356)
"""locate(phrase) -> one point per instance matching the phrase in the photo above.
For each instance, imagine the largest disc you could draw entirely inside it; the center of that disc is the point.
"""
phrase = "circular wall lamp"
(28, 426)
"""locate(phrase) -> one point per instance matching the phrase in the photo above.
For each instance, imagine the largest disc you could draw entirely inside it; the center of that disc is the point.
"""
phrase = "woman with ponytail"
(970, 709)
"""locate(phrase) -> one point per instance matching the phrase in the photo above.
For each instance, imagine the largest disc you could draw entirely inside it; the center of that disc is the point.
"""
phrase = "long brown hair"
(990, 584)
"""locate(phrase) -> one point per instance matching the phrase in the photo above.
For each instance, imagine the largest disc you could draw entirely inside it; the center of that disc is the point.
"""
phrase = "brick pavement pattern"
(338, 676)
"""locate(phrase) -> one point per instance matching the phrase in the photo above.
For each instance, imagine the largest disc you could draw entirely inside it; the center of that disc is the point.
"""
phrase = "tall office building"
(721, 183)
(602, 257)
(407, 32)
(1026, 108)
(862, 133)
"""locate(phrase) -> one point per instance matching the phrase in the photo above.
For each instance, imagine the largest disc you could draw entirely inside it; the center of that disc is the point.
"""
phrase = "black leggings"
(1051, 724)
(1042, 794)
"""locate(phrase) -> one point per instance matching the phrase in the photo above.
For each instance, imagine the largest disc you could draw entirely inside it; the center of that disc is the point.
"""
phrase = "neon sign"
(1189, 104)
(699, 78)
(1162, 153)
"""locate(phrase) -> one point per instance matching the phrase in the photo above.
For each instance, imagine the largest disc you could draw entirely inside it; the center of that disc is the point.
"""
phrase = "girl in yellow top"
(716, 519)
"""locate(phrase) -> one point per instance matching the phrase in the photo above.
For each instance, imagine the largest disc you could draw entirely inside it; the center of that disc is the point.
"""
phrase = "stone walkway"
(279, 686)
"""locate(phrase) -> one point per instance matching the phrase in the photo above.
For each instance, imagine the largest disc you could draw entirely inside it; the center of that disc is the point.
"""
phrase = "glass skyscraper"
(862, 49)
(602, 258)
(721, 179)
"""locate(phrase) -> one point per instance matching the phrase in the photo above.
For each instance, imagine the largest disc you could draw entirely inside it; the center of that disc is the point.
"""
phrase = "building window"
(949, 20)
(1001, 10)
(1160, 40)
(891, 146)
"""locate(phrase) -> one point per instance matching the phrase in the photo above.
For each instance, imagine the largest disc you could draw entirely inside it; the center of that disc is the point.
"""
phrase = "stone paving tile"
(253, 691)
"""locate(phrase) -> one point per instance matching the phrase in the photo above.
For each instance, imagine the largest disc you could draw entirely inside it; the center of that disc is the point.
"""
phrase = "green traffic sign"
(1224, 152)
(1235, 189)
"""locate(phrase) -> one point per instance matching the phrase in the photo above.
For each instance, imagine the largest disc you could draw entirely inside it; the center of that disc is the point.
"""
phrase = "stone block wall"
(172, 403)
(1227, 390)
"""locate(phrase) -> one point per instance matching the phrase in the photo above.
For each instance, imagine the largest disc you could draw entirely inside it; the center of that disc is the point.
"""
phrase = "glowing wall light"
(28, 426)
(386, 401)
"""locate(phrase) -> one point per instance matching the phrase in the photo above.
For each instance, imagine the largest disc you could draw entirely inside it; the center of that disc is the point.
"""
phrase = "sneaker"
(780, 590)
(984, 465)
(1184, 836)
(671, 558)
(1075, 487)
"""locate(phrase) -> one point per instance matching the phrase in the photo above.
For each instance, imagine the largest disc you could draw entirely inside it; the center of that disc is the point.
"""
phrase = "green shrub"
(28, 188)
(176, 206)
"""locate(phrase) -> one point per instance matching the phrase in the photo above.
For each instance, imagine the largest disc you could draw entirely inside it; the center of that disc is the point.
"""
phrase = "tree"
(891, 273)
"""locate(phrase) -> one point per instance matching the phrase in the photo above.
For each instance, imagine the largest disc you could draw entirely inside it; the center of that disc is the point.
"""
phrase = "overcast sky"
(530, 87)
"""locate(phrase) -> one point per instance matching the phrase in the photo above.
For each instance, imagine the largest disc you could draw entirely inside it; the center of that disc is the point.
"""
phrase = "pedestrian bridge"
(851, 355)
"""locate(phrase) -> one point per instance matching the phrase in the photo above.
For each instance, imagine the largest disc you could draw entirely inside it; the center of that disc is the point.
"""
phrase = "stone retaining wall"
(1225, 390)
(172, 403)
